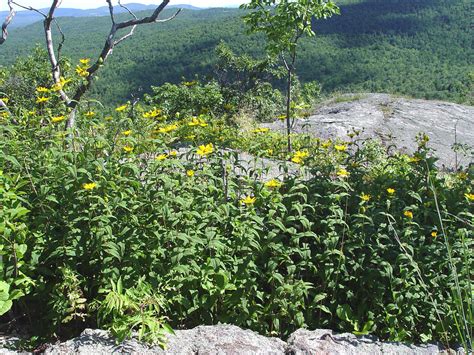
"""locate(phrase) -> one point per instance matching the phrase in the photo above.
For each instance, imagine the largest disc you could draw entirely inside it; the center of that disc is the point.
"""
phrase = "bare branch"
(55, 68)
(52, 9)
(148, 19)
(7, 21)
(63, 38)
(110, 43)
(111, 11)
(128, 10)
(4, 106)
(135, 26)
(29, 8)
(130, 34)
(169, 18)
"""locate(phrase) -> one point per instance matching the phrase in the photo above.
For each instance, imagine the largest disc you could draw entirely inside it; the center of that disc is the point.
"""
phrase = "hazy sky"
(91, 4)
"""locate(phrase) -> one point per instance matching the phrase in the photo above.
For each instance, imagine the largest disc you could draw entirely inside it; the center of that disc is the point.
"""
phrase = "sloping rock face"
(231, 340)
(221, 339)
(305, 342)
(394, 121)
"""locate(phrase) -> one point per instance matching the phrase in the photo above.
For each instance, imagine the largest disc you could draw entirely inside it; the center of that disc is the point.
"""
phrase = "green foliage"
(136, 309)
(241, 85)
(19, 82)
(195, 239)
(285, 22)
(246, 83)
(15, 241)
(188, 98)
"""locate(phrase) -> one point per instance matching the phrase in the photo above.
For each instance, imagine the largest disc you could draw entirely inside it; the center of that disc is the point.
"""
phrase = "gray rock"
(228, 340)
(224, 339)
(219, 339)
(326, 342)
(394, 121)
(7, 343)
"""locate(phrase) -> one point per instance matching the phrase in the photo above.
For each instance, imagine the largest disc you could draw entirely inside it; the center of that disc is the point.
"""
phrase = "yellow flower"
(128, 149)
(282, 117)
(57, 119)
(90, 114)
(152, 114)
(408, 214)
(365, 197)
(273, 184)
(197, 122)
(342, 173)
(204, 150)
(127, 133)
(42, 99)
(270, 151)
(326, 144)
(167, 129)
(89, 186)
(42, 89)
(469, 196)
(299, 157)
(340, 147)
(261, 130)
(5, 100)
(434, 234)
(462, 175)
(173, 153)
(121, 108)
(190, 83)
(82, 72)
(248, 200)
(59, 86)
(84, 61)
(297, 160)
(390, 191)
(190, 173)
(161, 157)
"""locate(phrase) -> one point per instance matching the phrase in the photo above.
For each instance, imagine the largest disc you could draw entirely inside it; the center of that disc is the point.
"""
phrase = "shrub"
(125, 232)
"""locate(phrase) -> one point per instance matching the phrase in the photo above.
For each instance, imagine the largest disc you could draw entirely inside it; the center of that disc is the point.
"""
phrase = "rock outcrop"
(221, 339)
(396, 121)
(231, 340)
(304, 342)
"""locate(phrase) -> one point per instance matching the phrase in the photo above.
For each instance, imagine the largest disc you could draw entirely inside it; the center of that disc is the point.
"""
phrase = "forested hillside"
(418, 48)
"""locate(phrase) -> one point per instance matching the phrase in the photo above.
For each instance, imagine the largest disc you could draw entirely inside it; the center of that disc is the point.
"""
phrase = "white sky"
(91, 4)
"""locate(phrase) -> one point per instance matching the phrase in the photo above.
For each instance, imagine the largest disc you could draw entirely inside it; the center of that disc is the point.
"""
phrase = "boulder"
(326, 342)
(219, 339)
(394, 120)
(226, 339)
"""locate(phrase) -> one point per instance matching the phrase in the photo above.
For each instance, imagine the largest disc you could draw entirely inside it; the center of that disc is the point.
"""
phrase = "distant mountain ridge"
(25, 18)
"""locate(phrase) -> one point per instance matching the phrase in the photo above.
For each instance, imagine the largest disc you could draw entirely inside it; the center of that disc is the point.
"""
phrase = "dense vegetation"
(141, 220)
(145, 216)
(417, 48)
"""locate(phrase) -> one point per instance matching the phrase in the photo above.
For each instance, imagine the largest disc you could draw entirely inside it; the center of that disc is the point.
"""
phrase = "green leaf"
(5, 306)
(4, 291)
(221, 280)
